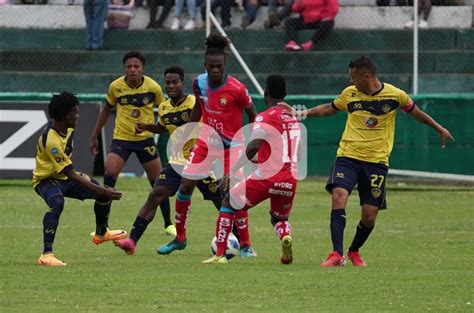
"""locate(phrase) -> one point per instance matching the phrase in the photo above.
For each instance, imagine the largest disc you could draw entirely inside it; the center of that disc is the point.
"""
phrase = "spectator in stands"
(95, 12)
(275, 16)
(225, 10)
(120, 13)
(153, 5)
(251, 8)
(424, 9)
(191, 24)
(314, 14)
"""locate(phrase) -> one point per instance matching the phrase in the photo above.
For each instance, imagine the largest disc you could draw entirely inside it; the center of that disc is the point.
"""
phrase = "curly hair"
(134, 54)
(61, 104)
(216, 44)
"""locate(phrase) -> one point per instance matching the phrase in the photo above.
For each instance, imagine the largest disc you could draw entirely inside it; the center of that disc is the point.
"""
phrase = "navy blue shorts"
(144, 149)
(369, 177)
(48, 188)
(170, 179)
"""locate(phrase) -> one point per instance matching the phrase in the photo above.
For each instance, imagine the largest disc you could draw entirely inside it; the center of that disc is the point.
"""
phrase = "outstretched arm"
(424, 118)
(325, 109)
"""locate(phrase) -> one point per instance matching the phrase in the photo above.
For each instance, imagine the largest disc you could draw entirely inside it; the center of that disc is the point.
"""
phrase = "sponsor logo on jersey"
(371, 122)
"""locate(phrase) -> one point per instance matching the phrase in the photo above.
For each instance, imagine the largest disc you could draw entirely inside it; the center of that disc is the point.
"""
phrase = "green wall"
(416, 146)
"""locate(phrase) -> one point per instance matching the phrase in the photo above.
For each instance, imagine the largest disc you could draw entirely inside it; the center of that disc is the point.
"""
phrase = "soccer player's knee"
(369, 220)
(155, 196)
(56, 203)
(109, 180)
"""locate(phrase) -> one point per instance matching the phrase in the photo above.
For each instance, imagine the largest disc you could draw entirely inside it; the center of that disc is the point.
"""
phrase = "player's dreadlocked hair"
(215, 44)
(61, 104)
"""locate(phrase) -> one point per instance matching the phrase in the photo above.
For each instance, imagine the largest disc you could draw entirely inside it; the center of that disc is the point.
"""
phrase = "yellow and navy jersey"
(133, 105)
(53, 155)
(171, 116)
(370, 125)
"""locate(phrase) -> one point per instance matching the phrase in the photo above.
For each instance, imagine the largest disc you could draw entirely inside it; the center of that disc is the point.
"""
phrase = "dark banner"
(21, 124)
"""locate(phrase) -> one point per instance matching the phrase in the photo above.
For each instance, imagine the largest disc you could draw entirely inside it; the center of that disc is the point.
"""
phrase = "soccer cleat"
(171, 246)
(126, 245)
(108, 236)
(307, 46)
(247, 252)
(170, 230)
(334, 259)
(216, 260)
(356, 259)
(50, 260)
(286, 251)
(292, 46)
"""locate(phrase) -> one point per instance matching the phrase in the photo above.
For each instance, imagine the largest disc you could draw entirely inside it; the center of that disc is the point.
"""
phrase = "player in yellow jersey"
(172, 113)
(133, 96)
(54, 176)
(364, 150)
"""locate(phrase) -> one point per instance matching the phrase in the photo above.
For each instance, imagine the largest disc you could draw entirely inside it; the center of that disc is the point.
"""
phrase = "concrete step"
(256, 40)
(319, 84)
(259, 62)
(354, 17)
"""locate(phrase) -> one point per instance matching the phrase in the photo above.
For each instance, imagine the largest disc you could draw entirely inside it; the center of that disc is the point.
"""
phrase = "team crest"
(135, 113)
(212, 187)
(386, 108)
(223, 101)
(146, 100)
(376, 192)
(185, 116)
(371, 122)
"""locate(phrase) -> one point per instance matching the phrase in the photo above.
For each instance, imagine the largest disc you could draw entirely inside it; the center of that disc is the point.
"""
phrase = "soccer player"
(221, 98)
(134, 96)
(364, 150)
(172, 113)
(54, 176)
(275, 136)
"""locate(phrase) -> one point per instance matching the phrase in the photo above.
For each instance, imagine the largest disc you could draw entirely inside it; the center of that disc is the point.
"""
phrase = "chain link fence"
(42, 46)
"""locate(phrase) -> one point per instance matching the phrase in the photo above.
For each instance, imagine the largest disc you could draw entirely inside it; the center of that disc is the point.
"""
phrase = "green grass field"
(420, 258)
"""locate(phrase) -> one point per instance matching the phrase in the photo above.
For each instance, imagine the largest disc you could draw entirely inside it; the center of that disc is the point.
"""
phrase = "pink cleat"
(307, 46)
(356, 259)
(292, 46)
(334, 259)
(126, 245)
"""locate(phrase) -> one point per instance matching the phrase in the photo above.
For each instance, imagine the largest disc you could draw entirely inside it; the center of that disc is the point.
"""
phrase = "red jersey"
(282, 137)
(222, 107)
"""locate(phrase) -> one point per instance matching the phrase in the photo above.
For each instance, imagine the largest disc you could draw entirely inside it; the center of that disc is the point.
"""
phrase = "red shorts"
(201, 161)
(281, 190)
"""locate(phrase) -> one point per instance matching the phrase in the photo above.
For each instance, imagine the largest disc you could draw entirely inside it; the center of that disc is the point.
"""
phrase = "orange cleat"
(50, 260)
(108, 236)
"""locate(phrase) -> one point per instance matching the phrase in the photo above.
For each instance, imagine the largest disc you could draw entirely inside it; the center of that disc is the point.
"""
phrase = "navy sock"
(109, 181)
(338, 223)
(139, 227)
(165, 212)
(51, 221)
(361, 235)
(102, 211)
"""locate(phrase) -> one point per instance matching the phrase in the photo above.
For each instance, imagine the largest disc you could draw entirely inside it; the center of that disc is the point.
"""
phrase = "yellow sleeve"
(59, 159)
(340, 103)
(161, 112)
(111, 99)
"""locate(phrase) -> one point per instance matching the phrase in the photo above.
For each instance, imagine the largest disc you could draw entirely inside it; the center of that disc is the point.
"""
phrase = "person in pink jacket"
(314, 14)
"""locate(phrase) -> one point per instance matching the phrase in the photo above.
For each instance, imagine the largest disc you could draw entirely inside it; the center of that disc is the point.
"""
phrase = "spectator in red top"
(314, 14)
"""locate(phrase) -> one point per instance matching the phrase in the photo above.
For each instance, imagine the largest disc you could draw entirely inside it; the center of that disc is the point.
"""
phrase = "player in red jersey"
(275, 136)
(220, 99)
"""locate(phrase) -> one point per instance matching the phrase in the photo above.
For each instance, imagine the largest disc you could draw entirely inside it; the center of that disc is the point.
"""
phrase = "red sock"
(282, 229)
(182, 212)
(223, 228)
(242, 224)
